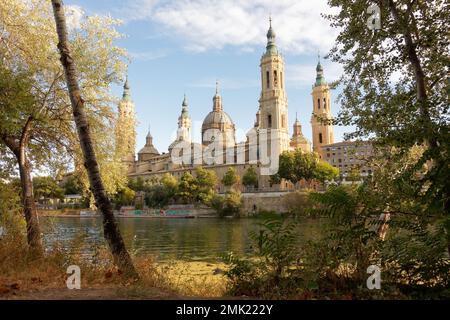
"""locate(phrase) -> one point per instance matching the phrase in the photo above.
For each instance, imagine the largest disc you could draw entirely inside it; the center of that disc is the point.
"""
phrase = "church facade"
(219, 149)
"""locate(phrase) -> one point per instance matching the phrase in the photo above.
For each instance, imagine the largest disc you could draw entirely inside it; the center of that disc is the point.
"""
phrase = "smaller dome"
(149, 150)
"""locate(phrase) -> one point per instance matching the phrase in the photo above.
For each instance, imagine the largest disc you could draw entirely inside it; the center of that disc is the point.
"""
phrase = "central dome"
(216, 118)
(218, 121)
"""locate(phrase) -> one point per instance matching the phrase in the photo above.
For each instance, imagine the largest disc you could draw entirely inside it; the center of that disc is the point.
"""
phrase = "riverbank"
(182, 280)
(24, 276)
(74, 213)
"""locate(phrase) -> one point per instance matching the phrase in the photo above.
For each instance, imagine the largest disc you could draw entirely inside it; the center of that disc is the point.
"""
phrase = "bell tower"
(126, 127)
(321, 119)
(273, 106)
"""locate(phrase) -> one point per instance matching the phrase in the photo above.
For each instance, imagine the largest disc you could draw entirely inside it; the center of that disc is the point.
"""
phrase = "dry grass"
(24, 276)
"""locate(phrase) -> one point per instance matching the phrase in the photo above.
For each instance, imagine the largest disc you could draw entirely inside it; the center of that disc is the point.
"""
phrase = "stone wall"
(267, 201)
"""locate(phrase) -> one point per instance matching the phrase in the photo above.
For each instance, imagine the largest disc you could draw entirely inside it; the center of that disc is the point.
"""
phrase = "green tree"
(396, 87)
(296, 165)
(325, 171)
(250, 178)
(206, 183)
(170, 183)
(17, 120)
(228, 205)
(187, 188)
(137, 184)
(72, 185)
(47, 187)
(160, 194)
(40, 126)
(230, 177)
(124, 197)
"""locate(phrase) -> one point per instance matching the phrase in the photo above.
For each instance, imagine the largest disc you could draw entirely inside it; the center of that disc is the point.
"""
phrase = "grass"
(25, 276)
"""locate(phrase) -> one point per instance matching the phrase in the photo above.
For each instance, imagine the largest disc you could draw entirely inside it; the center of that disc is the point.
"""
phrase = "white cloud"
(303, 75)
(74, 16)
(206, 24)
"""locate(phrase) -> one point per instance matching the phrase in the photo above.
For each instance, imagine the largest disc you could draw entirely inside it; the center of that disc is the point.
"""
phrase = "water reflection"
(185, 239)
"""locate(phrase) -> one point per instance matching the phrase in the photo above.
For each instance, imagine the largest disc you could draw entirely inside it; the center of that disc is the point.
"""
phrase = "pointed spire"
(320, 79)
(148, 132)
(184, 108)
(296, 123)
(126, 90)
(271, 48)
(217, 100)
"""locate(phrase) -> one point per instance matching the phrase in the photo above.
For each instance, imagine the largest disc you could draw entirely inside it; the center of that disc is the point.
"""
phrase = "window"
(318, 103)
(320, 138)
(275, 78)
(269, 121)
(283, 121)
(324, 103)
(281, 79)
(268, 79)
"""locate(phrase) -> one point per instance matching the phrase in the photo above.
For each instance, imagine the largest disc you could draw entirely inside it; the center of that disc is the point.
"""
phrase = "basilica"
(219, 149)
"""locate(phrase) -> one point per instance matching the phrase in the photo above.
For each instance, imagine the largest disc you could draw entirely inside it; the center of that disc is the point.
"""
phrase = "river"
(202, 239)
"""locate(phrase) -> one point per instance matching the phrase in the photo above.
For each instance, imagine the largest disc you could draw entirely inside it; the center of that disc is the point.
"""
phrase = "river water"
(202, 239)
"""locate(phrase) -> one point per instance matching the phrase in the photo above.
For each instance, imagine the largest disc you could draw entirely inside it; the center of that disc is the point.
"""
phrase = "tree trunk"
(111, 231)
(29, 205)
(18, 148)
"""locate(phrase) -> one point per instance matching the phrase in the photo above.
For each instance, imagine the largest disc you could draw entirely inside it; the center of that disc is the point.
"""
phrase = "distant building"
(349, 155)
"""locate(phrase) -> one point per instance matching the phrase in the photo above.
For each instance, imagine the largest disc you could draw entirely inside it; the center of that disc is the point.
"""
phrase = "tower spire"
(126, 90)
(320, 79)
(217, 100)
(271, 48)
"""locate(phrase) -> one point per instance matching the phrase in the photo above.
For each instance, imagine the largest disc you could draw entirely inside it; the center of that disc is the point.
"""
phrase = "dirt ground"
(100, 293)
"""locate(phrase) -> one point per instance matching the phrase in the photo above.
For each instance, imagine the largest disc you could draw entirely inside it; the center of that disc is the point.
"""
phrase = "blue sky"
(183, 46)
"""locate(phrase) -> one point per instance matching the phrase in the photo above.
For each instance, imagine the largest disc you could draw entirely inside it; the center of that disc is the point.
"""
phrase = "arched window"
(268, 79)
(324, 103)
(269, 121)
(275, 78)
(318, 103)
(281, 79)
(320, 138)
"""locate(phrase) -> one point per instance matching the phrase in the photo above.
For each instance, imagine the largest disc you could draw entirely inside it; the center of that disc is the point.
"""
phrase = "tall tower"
(273, 106)
(125, 130)
(321, 119)
(184, 126)
(184, 123)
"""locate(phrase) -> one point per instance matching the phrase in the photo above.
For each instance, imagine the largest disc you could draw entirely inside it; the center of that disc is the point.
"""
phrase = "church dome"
(215, 118)
(148, 150)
